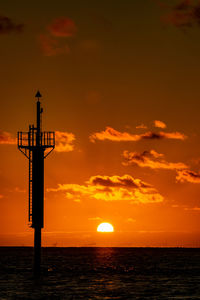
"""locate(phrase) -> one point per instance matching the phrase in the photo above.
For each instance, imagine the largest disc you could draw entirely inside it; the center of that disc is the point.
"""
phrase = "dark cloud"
(55, 41)
(151, 159)
(118, 181)
(8, 26)
(188, 175)
(62, 27)
(183, 5)
(184, 14)
(163, 135)
(152, 136)
(52, 47)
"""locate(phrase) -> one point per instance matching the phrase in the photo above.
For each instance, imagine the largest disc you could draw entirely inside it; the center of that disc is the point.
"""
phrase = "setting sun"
(105, 227)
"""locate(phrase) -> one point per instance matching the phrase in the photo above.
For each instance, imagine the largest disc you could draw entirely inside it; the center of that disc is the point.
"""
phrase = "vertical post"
(38, 198)
(37, 204)
(37, 251)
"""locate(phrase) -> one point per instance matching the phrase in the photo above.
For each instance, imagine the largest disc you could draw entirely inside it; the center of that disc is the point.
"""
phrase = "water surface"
(101, 273)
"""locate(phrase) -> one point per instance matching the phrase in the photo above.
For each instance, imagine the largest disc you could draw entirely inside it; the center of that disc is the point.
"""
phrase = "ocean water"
(101, 273)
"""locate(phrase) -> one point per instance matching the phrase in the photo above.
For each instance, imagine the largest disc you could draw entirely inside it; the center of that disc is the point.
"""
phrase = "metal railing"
(30, 139)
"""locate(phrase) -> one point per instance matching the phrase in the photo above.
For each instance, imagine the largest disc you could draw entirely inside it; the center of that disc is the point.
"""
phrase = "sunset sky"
(120, 82)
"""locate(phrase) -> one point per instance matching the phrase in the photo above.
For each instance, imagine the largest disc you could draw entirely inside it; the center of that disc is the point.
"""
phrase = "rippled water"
(101, 273)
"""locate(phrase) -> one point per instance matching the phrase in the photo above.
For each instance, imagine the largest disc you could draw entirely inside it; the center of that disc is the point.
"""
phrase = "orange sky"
(120, 86)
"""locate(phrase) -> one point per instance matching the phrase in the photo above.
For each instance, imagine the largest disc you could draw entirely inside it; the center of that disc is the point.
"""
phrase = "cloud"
(117, 181)
(6, 138)
(113, 135)
(185, 14)
(151, 159)
(56, 40)
(112, 188)
(159, 124)
(8, 26)
(192, 208)
(62, 27)
(188, 175)
(51, 46)
(64, 141)
(141, 126)
(163, 135)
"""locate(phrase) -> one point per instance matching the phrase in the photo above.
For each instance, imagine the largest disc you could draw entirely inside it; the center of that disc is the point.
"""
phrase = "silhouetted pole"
(38, 192)
(37, 251)
(33, 145)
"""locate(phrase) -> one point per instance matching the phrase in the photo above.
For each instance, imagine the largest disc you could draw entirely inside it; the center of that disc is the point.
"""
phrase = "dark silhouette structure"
(36, 145)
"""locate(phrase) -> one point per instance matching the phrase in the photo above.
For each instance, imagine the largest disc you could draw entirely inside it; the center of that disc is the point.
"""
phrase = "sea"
(101, 273)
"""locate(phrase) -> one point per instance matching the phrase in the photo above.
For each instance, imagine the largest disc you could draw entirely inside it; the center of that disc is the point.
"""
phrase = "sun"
(105, 227)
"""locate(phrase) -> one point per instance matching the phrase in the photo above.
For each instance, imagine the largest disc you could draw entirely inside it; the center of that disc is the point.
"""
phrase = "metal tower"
(36, 145)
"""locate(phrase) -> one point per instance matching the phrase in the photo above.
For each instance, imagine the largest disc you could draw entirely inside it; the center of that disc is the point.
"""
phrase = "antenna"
(36, 146)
